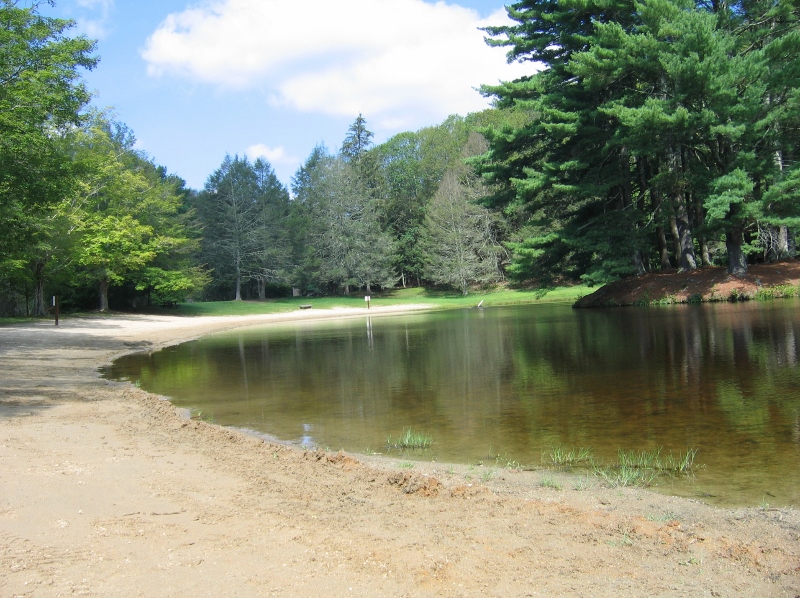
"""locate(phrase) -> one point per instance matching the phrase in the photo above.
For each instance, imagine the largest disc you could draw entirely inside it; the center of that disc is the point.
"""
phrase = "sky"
(196, 80)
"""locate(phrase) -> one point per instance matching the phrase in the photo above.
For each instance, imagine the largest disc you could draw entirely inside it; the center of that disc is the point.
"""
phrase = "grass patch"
(409, 440)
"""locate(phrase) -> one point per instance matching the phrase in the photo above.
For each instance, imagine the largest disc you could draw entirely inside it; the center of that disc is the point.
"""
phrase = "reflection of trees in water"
(518, 380)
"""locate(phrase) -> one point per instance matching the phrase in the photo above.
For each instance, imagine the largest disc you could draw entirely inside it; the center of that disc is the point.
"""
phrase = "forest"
(649, 136)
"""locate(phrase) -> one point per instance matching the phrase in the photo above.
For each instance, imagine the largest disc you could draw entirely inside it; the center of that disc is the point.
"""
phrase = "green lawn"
(437, 299)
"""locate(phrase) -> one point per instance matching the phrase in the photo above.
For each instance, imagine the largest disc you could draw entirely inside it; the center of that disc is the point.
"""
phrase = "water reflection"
(516, 382)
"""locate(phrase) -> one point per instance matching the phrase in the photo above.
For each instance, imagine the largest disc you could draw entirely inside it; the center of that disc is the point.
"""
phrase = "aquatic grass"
(564, 458)
(409, 440)
(653, 459)
(631, 468)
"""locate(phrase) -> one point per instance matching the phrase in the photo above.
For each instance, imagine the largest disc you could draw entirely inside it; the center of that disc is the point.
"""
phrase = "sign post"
(55, 305)
(367, 298)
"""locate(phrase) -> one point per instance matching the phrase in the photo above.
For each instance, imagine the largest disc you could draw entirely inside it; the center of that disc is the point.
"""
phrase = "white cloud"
(93, 18)
(399, 62)
(276, 155)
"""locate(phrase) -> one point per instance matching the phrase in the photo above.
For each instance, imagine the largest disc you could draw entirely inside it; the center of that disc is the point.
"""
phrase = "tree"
(460, 236)
(41, 97)
(271, 257)
(124, 218)
(344, 242)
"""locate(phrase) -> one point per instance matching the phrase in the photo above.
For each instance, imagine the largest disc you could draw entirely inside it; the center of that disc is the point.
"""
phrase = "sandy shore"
(106, 490)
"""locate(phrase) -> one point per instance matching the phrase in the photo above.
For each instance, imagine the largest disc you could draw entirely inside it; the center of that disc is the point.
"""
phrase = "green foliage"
(645, 116)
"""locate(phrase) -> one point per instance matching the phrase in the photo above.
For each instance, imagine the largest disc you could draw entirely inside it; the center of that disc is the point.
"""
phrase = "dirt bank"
(106, 490)
(703, 284)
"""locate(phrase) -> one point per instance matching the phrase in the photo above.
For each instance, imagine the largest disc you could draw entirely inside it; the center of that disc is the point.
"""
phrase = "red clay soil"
(703, 284)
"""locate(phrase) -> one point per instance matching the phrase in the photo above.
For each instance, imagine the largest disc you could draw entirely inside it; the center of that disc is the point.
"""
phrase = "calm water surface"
(516, 382)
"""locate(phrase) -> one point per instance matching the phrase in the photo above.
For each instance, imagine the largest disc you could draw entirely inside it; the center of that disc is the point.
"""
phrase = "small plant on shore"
(663, 518)
(582, 483)
(487, 475)
(506, 462)
(406, 465)
(409, 440)
(550, 483)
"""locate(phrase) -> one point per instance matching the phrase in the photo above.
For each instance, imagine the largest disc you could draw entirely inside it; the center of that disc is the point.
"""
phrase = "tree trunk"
(737, 261)
(639, 263)
(676, 239)
(783, 242)
(262, 288)
(663, 250)
(705, 255)
(369, 288)
(687, 259)
(347, 289)
(238, 287)
(104, 284)
(39, 308)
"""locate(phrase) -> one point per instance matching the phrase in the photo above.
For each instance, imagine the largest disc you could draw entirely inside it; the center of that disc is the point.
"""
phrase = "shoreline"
(107, 490)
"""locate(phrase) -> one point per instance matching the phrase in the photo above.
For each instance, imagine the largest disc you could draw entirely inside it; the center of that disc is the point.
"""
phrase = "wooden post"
(367, 298)
(55, 304)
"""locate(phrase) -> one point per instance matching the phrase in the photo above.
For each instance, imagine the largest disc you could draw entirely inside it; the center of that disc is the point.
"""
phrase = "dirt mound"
(778, 279)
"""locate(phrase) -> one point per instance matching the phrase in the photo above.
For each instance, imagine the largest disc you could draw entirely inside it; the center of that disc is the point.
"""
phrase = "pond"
(513, 383)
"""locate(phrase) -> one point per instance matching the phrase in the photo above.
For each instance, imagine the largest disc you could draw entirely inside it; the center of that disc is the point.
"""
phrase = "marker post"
(367, 299)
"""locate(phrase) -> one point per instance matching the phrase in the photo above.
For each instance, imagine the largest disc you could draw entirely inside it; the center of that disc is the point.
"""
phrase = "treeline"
(654, 135)
(401, 213)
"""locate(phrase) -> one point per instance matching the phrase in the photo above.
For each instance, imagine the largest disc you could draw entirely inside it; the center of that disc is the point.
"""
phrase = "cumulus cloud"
(399, 62)
(92, 17)
(276, 155)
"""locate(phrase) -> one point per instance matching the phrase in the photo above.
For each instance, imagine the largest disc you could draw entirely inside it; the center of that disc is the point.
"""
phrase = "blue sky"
(273, 78)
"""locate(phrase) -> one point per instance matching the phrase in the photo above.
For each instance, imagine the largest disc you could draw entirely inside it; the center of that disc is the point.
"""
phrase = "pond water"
(515, 382)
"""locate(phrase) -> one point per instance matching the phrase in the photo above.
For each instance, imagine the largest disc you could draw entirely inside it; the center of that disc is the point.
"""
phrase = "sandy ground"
(106, 490)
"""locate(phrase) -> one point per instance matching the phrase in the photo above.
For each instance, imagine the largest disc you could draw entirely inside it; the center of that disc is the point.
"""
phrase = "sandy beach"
(106, 490)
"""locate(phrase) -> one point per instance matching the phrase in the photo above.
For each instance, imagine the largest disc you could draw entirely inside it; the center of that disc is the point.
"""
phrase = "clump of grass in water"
(564, 458)
(642, 468)
(633, 468)
(410, 440)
